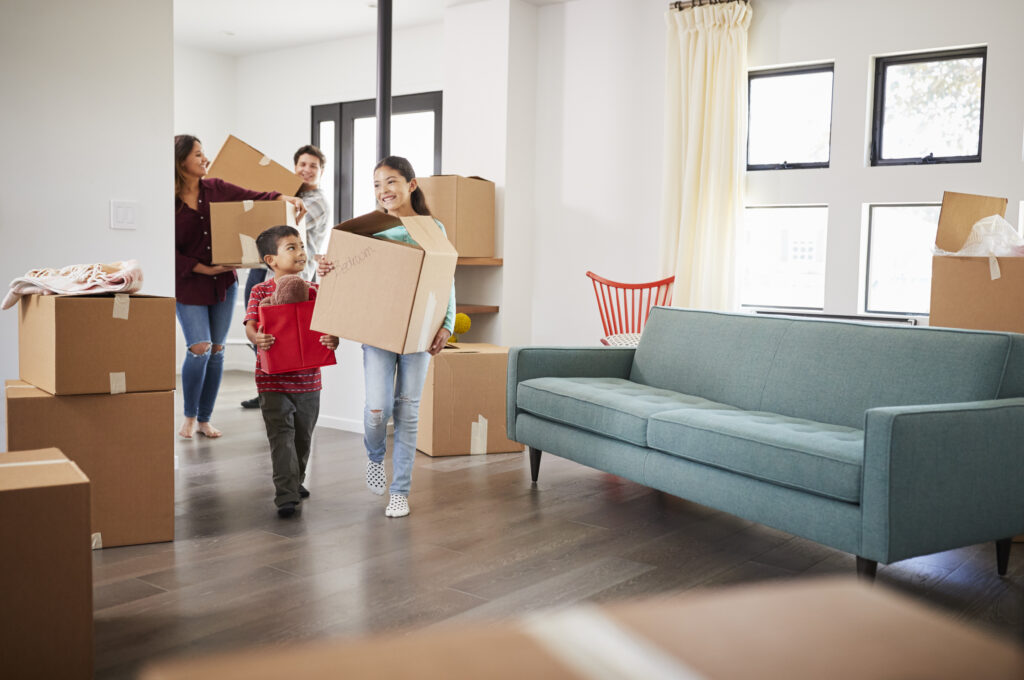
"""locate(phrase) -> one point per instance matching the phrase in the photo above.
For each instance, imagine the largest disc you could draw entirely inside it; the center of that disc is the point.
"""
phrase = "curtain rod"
(686, 4)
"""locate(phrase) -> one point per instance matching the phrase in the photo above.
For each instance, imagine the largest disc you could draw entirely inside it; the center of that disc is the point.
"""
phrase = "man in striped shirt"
(290, 402)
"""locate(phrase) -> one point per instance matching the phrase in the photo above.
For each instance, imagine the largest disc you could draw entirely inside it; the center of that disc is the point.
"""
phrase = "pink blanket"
(77, 279)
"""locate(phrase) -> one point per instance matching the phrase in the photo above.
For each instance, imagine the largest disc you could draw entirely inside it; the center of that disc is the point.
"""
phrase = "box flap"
(958, 215)
(369, 224)
(424, 230)
(19, 389)
(248, 167)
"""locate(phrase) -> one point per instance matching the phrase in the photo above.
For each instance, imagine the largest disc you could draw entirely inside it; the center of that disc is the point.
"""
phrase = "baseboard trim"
(334, 423)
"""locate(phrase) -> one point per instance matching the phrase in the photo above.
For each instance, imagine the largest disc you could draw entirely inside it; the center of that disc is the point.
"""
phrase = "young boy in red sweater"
(290, 402)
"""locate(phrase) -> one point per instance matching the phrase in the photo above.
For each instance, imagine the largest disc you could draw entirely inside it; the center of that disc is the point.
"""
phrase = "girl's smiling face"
(393, 191)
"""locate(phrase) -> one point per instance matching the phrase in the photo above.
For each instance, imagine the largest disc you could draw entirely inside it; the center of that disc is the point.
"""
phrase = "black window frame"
(792, 71)
(344, 114)
(878, 104)
(867, 258)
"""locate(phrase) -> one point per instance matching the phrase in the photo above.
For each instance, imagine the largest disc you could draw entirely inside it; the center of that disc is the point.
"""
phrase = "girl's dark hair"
(404, 168)
(182, 148)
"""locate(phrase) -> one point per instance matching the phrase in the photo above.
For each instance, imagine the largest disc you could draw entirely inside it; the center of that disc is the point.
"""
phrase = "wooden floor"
(481, 543)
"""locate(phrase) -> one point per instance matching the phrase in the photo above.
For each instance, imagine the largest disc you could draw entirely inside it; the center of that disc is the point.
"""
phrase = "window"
(351, 131)
(789, 118)
(782, 257)
(928, 108)
(899, 266)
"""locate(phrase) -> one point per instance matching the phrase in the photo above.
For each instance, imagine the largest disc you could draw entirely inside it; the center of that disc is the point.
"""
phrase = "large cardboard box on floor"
(964, 294)
(96, 344)
(465, 206)
(235, 225)
(123, 442)
(462, 410)
(384, 293)
(245, 166)
(46, 571)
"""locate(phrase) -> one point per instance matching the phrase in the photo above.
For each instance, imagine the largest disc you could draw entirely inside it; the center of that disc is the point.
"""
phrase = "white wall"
(204, 95)
(86, 118)
(850, 34)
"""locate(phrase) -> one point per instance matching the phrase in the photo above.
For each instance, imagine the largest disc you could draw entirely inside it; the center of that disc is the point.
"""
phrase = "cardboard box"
(384, 293)
(235, 225)
(465, 206)
(123, 442)
(46, 573)
(462, 410)
(96, 344)
(243, 165)
(811, 628)
(964, 295)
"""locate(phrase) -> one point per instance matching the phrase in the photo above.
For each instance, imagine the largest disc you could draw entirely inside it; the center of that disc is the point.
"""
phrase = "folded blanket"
(77, 279)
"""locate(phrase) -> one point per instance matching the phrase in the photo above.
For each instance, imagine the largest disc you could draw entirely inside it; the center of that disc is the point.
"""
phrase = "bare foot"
(188, 428)
(208, 430)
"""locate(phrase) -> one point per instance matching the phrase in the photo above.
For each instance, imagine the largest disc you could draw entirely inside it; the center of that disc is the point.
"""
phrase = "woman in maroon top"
(205, 293)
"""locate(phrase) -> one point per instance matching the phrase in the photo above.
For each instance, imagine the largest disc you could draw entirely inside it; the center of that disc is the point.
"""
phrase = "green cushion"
(801, 454)
(612, 407)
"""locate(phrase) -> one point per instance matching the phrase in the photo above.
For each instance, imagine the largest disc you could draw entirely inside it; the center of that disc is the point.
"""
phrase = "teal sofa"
(886, 442)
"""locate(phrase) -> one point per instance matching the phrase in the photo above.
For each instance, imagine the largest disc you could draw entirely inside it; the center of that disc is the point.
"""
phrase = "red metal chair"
(624, 307)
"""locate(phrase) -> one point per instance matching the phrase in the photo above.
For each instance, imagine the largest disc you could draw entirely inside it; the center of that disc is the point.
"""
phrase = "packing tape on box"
(478, 435)
(265, 160)
(596, 646)
(117, 383)
(49, 461)
(426, 337)
(250, 253)
(97, 541)
(247, 205)
(993, 267)
(121, 305)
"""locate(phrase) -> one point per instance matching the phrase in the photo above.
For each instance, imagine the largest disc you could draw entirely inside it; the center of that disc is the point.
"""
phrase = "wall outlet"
(124, 215)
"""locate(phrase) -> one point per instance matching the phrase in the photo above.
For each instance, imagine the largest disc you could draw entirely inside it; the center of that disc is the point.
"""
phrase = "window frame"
(344, 114)
(829, 67)
(867, 259)
(878, 104)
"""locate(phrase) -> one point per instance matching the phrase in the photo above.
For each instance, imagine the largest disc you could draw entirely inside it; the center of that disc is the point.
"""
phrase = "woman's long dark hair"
(404, 168)
(182, 148)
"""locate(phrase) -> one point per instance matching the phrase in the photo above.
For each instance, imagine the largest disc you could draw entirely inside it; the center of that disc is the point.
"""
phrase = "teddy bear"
(290, 289)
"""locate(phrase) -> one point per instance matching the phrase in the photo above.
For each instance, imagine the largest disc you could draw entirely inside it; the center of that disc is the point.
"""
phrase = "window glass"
(901, 239)
(782, 257)
(790, 119)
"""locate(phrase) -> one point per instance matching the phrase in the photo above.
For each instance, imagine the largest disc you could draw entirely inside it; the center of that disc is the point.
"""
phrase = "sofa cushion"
(609, 406)
(802, 454)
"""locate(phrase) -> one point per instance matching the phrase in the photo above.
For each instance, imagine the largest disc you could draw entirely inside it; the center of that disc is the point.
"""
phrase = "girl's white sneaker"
(398, 506)
(376, 479)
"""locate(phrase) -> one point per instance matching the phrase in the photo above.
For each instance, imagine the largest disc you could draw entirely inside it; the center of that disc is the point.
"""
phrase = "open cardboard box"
(235, 225)
(964, 295)
(465, 206)
(123, 442)
(245, 166)
(96, 344)
(385, 293)
(46, 573)
(462, 410)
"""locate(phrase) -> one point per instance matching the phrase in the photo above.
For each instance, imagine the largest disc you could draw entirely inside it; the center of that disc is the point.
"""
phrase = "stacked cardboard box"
(97, 381)
(465, 206)
(46, 573)
(463, 406)
(234, 227)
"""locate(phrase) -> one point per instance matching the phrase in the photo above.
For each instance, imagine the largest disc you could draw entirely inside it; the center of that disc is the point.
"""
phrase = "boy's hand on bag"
(329, 341)
(323, 266)
(264, 340)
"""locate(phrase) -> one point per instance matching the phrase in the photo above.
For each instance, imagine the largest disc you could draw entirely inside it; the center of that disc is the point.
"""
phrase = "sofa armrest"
(525, 363)
(940, 476)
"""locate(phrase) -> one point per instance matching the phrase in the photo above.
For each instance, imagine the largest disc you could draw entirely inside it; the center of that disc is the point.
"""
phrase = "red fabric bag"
(295, 347)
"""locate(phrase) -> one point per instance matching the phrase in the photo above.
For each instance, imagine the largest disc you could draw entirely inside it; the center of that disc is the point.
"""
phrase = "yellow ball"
(462, 323)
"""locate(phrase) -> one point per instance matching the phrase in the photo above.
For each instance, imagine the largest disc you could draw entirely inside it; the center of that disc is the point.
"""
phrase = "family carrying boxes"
(964, 294)
(123, 442)
(462, 410)
(244, 166)
(465, 206)
(385, 293)
(235, 225)
(46, 573)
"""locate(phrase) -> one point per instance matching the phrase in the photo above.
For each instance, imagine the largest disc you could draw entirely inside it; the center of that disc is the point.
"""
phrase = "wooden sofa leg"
(534, 463)
(1003, 555)
(866, 569)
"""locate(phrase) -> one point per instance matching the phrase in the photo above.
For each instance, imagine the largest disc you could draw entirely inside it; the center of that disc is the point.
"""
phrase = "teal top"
(400, 234)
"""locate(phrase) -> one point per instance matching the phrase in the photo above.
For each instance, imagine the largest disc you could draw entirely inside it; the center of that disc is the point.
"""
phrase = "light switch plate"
(124, 215)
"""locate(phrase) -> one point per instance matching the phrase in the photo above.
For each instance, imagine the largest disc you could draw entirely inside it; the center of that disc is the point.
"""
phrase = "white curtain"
(705, 151)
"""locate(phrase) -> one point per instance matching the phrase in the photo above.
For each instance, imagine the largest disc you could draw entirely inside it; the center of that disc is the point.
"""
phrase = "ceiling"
(238, 27)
